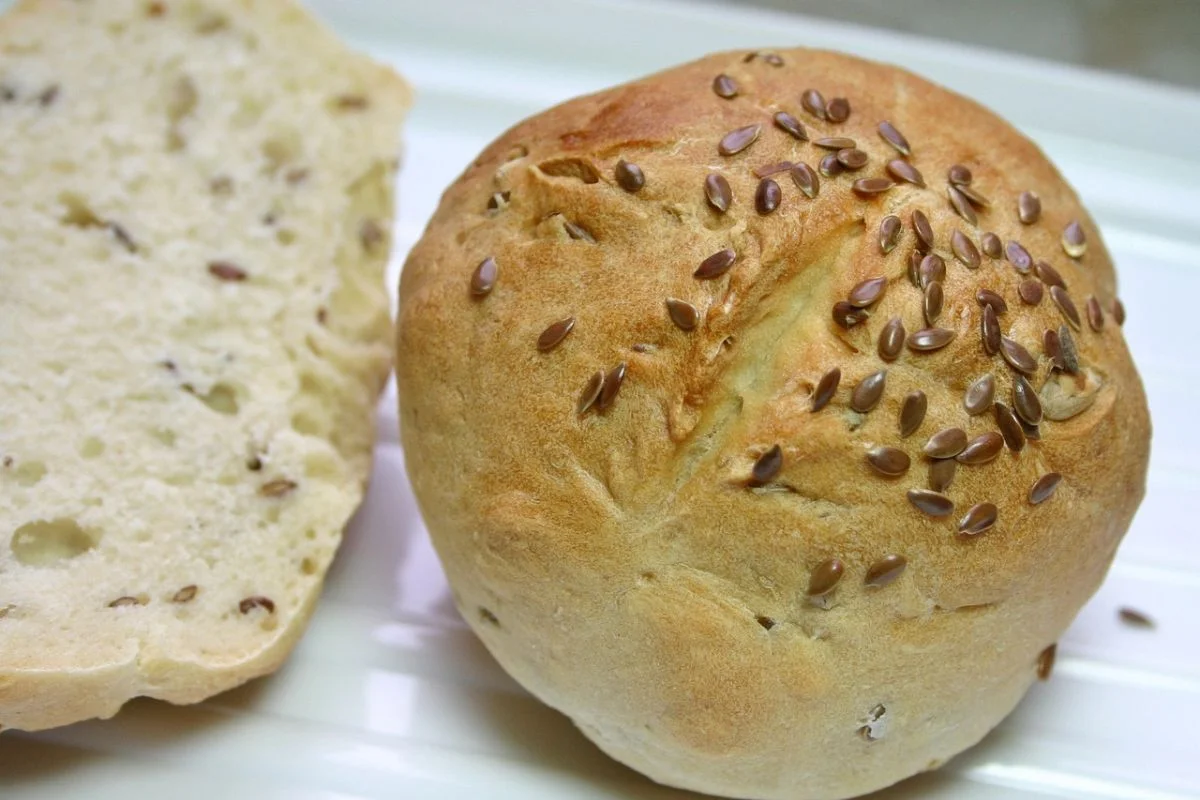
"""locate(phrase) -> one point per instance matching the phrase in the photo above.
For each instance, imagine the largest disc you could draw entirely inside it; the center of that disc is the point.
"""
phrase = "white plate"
(390, 696)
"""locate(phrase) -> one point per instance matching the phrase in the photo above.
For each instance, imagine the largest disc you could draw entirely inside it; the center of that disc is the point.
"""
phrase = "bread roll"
(723, 451)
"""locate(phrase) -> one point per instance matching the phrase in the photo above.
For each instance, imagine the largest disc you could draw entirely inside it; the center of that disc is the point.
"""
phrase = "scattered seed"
(1032, 432)
(965, 250)
(901, 170)
(893, 137)
(933, 504)
(715, 265)
(767, 170)
(813, 102)
(825, 577)
(1074, 241)
(185, 595)
(724, 86)
(767, 466)
(277, 488)
(836, 143)
(226, 271)
(974, 197)
(1045, 662)
(868, 392)
(889, 461)
(961, 205)
(847, 316)
(991, 244)
(121, 602)
(251, 603)
(739, 139)
(941, 474)
(830, 167)
(933, 269)
(980, 518)
(838, 110)
(578, 232)
(946, 443)
(851, 157)
(1017, 356)
(912, 412)
(1095, 315)
(612, 385)
(48, 95)
(934, 298)
(914, 268)
(483, 279)
(1043, 488)
(683, 314)
(1029, 208)
(629, 176)
(826, 388)
(867, 292)
(889, 233)
(930, 339)
(989, 328)
(774, 59)
(1066, 305)
(1135, 618)
(1048, 274)
(591, 392)
(786, 122)
(884, 571)
(767, 196)
(1070, 353)
(980, 394)
(806, 180)
(869, 187)
(1052, 348)
(1030, 291)
(986, 297)
(1018, 256)
(717, 192)
(891, 339)
(924, 231)
(1026, 402)
(1118, 311)
(982, 449)
(1010, 429)
(959, 175)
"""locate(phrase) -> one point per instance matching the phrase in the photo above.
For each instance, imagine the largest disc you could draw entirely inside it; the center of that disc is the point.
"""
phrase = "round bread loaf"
(771, 416)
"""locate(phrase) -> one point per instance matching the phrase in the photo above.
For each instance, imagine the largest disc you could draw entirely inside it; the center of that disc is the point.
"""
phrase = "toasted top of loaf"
(195, 200)
(672, 523)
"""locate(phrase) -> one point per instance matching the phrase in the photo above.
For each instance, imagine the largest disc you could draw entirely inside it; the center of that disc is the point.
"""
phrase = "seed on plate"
(717, 192)
(959, 175)
(1030, 291)
(1018, 256)
(612, 385)
(1134, 618)
(891, 339)
(483, 279)
(933, 269)
(982, 449)
(946, 443)
(786, 122)
(941, 474)
(868, 392)
(738, 139)
(835, 143)
(1043, 488)
(1017, 356)
(554, 334)
(986, 297)
(973, 196)
(826, 387)
(830, 167)
(964, 249)
(766, 467)
(1048, 274)
(889, 233)
(989, 328)
(683, 314)
(1052, 348)
(716, 265)
(923, 230)
(806, 179)
(1010, 428)
(991, 244)
(767, 196)
(1074, 241)
(847, 316)
(934, 298)
(901, 170)
(892, 136)
(1026, 402)
(1118, 311)
(930, 503)
(889, 461)
(838, 110)
(852, 158)
(813, 102)
(930, 339)
(979, 518)
(825, 577)
(914, 268)
(724, 86)
(1029, 208)
(629, 176)
(980, 394)
(1095, 315)
(912, 412)
(869, 187)
(884, 571)
(961, 205)
(1070, 353)
(591, 392)
(867, 292)
(1066, 305)
(1045, 662)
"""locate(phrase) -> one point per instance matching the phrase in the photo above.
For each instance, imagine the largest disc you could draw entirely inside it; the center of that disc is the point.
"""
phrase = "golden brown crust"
(618, 562)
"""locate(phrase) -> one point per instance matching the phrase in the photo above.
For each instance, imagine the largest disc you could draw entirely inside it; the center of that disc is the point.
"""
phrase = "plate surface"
(390, 696)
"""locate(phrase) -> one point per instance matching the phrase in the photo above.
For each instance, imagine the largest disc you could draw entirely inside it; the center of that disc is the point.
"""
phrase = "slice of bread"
(195, 200)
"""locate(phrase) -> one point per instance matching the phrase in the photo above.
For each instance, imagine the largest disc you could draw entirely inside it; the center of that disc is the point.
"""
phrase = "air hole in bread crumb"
(6, 609)
(182, 98)
(44, 543)
(29, 473)
(91, 448)
(321, 466)
(280, 150)
(488, 617)
(649, 576)
(305, 424)
(77, 213)
(766, 622)
(310, 534)
(308, 567)
(577, 168)
(222, 398)
(164, 435)
(285, 236)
